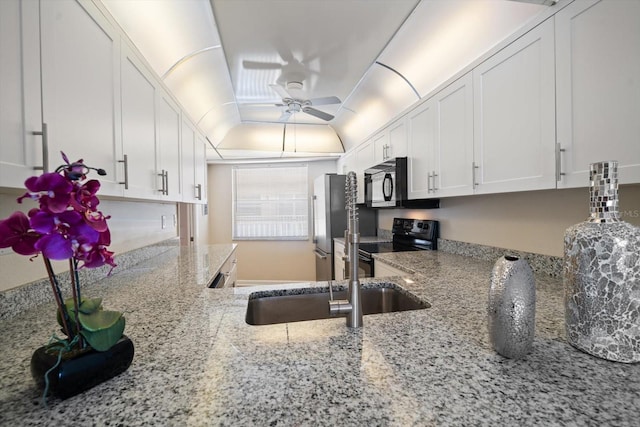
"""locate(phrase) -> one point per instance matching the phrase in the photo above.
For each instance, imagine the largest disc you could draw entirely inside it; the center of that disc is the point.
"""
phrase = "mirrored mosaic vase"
(601, 275)
(512, 307)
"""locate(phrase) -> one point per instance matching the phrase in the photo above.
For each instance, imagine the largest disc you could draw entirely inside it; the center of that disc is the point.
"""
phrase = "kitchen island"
(198, 363)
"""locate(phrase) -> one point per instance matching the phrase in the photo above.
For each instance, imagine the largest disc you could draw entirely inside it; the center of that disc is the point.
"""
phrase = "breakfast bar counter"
(197, 362)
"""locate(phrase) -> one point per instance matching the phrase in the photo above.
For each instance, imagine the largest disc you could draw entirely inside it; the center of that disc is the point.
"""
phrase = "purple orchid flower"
(15, 233)
(67, 223)
(52, 190)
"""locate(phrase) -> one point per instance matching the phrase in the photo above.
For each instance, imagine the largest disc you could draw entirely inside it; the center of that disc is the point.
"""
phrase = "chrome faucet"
(351, 307)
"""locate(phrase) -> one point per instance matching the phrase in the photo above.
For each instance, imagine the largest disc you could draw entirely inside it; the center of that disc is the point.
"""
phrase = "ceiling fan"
(296, 104)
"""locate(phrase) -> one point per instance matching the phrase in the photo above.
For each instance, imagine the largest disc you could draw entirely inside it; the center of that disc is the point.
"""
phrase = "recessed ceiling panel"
(327, 45)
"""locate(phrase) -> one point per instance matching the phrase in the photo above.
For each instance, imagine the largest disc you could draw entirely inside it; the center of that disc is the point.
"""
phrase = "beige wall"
(132, 224)
(260, 260)
(531, 221)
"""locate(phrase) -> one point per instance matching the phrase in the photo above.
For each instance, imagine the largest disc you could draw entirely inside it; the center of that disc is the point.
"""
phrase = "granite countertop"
(198, 363)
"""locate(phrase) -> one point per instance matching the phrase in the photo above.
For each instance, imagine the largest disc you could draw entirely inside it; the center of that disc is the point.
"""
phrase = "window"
(270, 203)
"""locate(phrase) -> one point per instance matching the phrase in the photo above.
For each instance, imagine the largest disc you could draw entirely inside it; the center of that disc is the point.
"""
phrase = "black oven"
(407, 235)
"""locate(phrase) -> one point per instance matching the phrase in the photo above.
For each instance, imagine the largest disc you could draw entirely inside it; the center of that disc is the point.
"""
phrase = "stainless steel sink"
(271, 309)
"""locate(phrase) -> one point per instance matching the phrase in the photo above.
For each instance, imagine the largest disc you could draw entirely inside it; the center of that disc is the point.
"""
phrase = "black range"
(407, 235)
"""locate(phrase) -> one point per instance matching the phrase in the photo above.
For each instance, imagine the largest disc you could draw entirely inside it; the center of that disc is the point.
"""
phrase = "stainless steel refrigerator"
(330, 220)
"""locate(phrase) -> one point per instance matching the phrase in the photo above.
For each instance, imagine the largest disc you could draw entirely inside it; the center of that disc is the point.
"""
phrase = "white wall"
(132, 225)
(532, 221)
(260, 260)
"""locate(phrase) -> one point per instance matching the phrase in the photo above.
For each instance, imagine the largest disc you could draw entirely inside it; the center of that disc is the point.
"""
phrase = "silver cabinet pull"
(434, 176)
(559, 151)
(45, 148)
(165, 182)
(473, 174)
(199, 191)
(166, 185)
(125, 160)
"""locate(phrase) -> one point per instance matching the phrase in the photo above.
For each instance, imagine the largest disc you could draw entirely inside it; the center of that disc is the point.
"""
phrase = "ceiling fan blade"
(317, 113)
(285, 116)
(280, 91)
(256, 65)
(327, 100)
(261, 104)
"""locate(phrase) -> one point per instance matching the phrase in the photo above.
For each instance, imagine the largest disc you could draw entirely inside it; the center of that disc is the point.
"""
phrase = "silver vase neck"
(603, 203)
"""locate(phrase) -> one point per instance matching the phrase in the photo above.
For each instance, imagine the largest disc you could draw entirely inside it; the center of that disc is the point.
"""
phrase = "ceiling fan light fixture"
(294, 86)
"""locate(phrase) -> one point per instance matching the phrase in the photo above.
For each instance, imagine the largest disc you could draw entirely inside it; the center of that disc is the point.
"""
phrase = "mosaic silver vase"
(601, 275)
(512, 307)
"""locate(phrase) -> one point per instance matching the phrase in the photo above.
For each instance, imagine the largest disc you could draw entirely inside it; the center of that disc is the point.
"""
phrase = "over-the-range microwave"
(385, 186)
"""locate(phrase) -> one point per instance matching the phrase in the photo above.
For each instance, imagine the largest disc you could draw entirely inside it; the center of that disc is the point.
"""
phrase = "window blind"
(270, 203)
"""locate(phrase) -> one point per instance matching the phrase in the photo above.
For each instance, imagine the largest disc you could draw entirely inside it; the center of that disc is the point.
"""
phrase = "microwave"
(385, 185)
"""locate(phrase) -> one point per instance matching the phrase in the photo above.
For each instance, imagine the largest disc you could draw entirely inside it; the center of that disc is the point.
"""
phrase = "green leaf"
(99, 320)
(104, 339)
(87, 306)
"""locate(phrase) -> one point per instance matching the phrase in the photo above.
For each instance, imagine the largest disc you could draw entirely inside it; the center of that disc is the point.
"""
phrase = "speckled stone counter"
(198, 363)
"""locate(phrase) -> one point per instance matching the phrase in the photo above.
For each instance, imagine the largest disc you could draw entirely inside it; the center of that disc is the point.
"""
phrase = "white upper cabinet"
(391, 142)
(168, 170)
(364, 159)
(138, 128)
(380, 147)
(452, 161)
(194, 164)
(397, 139)
(598, 89)
(514, 115)
(20, 106)
(421, 125)
(201, 168)
(80, 76)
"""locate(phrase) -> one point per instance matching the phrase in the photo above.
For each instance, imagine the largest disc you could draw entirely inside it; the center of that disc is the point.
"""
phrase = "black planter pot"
(81, 371)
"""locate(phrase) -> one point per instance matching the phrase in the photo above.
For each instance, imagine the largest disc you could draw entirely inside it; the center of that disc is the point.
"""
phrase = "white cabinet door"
(598, 88)
(189, 190)
(168, 148)
(20, 105)
(201, 168)
(421, 124)
(194, 164)
(80, 77)
(514, 115)
(397, 139)
(338, 263)
(138, 128)
(364, 160)
(451, 167)
(380, 147)
(381, 269)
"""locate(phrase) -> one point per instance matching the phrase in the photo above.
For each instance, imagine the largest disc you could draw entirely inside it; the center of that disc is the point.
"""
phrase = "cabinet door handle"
(162, 175)
(434, 181)
(559, 151)
(473, 174)
(199, 191)
(45, 148)
(166, 185)
(125, 160)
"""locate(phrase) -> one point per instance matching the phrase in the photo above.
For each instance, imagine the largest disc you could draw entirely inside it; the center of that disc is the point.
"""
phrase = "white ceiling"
(221, 59)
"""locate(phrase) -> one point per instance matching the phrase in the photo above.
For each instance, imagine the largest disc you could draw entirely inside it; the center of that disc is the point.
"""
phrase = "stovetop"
(408, 235)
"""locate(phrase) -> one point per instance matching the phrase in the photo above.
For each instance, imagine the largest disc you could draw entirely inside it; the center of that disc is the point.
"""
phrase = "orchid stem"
(75, 287)
(58, 297)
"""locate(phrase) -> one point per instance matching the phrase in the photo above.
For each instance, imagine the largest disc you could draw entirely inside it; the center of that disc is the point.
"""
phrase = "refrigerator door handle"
(320, 254)
(313, 218)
